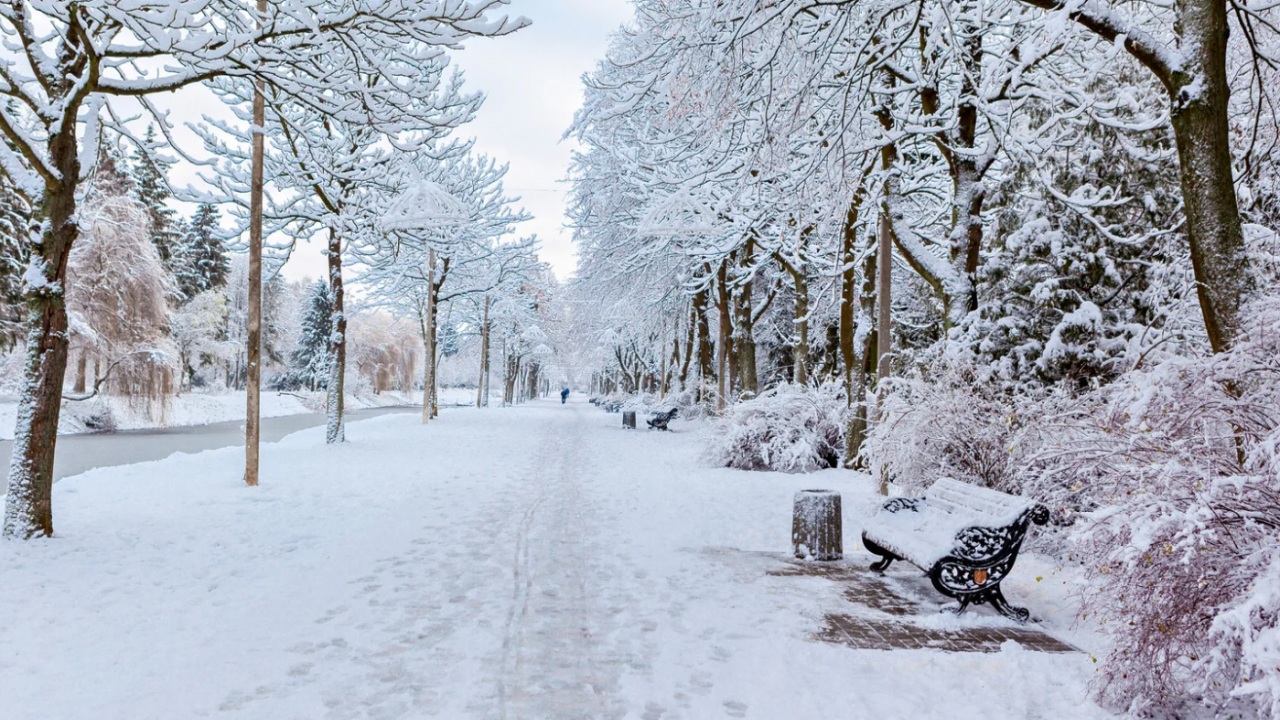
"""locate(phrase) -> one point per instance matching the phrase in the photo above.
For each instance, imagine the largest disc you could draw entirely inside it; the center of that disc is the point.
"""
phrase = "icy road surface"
(527, 563)
(87, 451)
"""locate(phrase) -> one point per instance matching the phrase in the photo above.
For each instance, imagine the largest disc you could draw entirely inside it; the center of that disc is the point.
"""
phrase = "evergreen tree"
(17, 215)
(309, 363)
(201, 262)
(150, 178)
(275, 299)
(15, 221)
(449, 341)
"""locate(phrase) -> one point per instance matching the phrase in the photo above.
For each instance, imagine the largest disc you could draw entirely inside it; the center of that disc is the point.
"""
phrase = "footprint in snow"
(733, 708)
(653, 711)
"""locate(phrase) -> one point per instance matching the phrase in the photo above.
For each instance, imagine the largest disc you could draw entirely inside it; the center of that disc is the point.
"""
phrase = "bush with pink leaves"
(1186, 551)
(1166, 484)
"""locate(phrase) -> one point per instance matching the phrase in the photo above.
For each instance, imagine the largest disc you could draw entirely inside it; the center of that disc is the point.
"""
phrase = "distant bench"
(662, 419)
(606, 404)
(964, 537)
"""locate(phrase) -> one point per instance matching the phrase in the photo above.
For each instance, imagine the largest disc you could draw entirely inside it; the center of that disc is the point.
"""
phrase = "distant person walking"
(564, 396)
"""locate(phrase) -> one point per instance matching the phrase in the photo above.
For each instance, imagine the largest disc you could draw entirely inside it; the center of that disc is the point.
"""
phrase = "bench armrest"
(1039, 514)
(903, 503)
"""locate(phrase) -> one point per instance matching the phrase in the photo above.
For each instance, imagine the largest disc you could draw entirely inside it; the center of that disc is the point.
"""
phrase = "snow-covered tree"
(151, 184)
(118, 298)
(199, 327)
(77, 59)
(309, 362)
(201, 261)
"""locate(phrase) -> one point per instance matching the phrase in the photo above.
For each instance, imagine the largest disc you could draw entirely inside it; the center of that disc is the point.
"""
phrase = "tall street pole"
(253, 389)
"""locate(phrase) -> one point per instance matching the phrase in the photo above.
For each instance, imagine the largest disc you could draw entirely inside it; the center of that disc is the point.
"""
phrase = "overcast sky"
(533, 80)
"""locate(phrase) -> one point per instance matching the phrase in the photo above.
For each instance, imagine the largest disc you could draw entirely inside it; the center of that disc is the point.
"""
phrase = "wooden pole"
(253, 389)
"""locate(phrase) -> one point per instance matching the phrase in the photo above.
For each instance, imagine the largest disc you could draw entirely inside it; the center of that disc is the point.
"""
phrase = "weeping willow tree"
(118, 303)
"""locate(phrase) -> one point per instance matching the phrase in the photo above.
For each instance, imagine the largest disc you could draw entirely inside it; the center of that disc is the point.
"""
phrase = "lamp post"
(426, 206)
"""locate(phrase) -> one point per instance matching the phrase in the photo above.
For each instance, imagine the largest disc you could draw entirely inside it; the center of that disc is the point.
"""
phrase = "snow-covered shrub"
(686, 400)
(1188, 552)
(953, 425)
(789, 428)
(961, 424)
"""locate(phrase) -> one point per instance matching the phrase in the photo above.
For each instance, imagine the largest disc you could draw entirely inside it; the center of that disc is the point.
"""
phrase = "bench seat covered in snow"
(964, 537)
(662, 419)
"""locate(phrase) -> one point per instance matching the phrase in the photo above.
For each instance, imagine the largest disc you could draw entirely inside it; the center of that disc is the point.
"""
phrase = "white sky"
(533, 82)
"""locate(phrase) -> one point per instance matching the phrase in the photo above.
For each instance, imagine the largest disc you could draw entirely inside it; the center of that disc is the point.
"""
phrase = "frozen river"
(84, 452)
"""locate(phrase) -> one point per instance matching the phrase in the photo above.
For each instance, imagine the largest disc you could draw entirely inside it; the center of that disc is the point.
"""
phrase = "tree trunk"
(865, 348)
(883, 307)
(744, 331)
(335, 431)
(28, 508)
(429, 337)
(82, 367)
(1199, 94)
(488, 362)
(435, 353)
(848, 339)
(484, 356)
(690, 343)
(884, 301)
(506, 373)
(801, 350)
(1200, 125)
(706, 367)
(722, 340)
(728, 384)
(662, 377)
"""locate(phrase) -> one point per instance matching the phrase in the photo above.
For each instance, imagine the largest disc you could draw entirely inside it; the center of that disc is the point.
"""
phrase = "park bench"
(965, 538)
(660, 421)
(606, 404)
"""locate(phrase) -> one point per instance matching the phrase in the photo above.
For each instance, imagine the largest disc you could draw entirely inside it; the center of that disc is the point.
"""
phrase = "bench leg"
(963, 605)
(886, 557)
(1002, 606)
(995, 598)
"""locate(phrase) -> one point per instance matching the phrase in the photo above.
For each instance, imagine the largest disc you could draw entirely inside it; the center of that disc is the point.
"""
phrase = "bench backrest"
(985, 506)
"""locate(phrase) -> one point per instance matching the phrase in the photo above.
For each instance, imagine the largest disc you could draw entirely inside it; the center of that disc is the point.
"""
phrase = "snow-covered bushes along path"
(535, 562)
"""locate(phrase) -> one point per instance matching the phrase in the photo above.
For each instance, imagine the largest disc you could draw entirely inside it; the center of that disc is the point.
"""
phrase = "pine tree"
(150, 177)
(17, 217)
(201, 261)
(15, 221)
(309, 363)
(275, 297)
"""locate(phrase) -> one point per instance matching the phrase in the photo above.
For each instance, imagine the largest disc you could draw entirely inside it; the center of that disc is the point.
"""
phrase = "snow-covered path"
(536, 562)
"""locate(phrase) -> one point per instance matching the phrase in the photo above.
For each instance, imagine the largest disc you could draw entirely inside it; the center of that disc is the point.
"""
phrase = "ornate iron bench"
(964, 537)
(662, 419)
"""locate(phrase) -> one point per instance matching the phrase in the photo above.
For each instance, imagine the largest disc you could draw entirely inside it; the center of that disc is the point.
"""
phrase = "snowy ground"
(536, 562)
(198, 408)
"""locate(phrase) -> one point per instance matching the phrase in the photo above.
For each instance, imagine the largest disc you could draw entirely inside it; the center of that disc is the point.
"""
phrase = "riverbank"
(108, 414)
